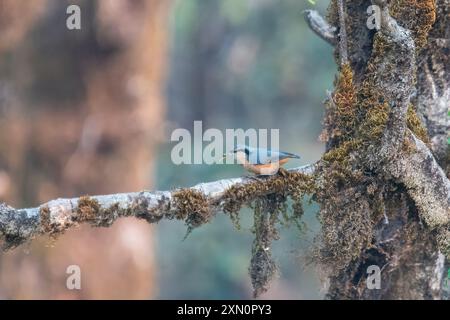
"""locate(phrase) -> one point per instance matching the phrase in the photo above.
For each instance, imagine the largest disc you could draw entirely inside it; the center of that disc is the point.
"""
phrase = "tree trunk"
(400, 243)
(87, 121)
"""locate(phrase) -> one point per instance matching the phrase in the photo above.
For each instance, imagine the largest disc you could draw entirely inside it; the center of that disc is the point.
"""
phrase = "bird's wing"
(260, 156)
(264, 156)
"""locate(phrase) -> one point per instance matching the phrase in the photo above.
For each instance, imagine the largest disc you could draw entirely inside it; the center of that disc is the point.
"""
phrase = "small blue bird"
(261, 161)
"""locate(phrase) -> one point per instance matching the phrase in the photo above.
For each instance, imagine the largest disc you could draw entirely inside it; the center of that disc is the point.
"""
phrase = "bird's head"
(240, 151)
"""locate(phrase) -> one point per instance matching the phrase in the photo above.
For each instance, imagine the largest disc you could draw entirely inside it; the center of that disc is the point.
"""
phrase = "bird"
(261, 161)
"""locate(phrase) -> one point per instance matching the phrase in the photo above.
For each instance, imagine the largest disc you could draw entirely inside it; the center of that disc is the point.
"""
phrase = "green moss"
(373, 106)
(44, 213)
(341, 109)
(374, 123)
(268, 197)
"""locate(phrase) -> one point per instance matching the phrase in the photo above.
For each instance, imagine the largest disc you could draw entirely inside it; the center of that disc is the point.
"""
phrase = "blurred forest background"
(91, 112)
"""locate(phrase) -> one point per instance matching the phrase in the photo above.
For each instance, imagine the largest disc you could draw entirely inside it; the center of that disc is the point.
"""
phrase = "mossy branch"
(426, 182)
(195, 206)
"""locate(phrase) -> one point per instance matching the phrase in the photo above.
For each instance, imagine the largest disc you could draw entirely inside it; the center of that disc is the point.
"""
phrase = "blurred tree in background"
(80, 113)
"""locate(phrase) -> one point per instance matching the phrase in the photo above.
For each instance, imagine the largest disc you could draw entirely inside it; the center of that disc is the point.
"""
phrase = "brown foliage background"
(80, 113)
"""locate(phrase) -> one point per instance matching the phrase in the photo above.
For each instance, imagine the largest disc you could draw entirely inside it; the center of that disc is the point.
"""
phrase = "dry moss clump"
(285, 184)
(415, 125)
(349, 210)
(375, 122)
(351, 203)
(263, 267)
(340, 118)
(370, 94)
(192, 207)
(88, 209)
(44, 213)
(268, 196)
(346, 188)
(415, 15)
(341, 125)
(346, 232)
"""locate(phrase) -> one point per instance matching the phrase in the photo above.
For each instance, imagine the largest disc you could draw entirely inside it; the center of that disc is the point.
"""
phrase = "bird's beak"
(226, 155)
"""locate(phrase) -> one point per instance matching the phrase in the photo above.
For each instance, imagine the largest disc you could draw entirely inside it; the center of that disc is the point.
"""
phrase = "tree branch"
(433, 94)
(425, 181)
(416, 168)
(54, 217)
(320, 26)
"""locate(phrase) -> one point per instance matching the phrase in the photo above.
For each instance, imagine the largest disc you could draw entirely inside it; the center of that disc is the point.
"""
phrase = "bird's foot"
(256, 178)
(283, 172)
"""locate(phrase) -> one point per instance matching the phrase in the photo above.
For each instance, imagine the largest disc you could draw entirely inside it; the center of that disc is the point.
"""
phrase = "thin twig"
(320, 26)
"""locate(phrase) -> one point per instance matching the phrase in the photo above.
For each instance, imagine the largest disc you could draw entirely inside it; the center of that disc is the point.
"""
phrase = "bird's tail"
(291, 155)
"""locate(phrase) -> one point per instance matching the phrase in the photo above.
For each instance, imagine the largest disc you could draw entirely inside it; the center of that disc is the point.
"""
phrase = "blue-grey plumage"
(260, 160)
(260, 156)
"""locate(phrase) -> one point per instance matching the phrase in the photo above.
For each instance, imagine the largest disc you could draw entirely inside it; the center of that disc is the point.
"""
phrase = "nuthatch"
(261, 161)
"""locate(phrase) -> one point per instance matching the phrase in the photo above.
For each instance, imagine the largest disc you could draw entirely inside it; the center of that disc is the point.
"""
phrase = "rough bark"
(398, 68)
(195, 205)
(76, 106)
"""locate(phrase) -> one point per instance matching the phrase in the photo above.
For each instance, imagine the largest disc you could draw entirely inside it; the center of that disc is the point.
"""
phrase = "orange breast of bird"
(266, 169)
